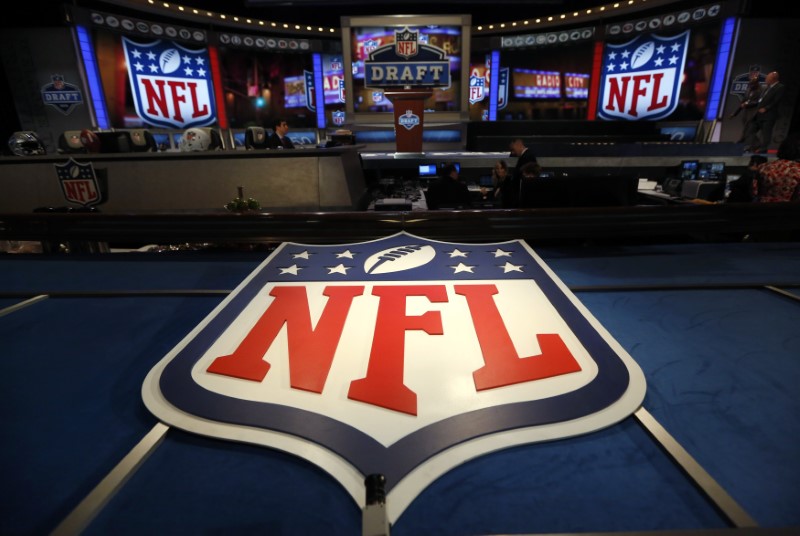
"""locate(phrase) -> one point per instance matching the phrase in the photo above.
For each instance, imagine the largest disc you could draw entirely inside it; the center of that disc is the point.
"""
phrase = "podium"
(409, 115)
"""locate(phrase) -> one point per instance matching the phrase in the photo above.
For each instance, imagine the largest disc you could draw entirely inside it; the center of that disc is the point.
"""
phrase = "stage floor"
(713, 326)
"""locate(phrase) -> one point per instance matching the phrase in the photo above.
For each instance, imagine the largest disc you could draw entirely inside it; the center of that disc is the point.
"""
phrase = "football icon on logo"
(169, 61)
(399, 259)
(642, 54)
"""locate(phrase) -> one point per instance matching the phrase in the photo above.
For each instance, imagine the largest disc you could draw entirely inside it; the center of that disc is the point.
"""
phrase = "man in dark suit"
(762, 124)
(512, 185)
(279, 139)
(448, 191)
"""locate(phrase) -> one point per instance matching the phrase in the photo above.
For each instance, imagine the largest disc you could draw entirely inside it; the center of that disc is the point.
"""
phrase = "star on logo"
(340, 269)
(457, 253)
(500, 253)
(508, 267)
(304, 255)
(461, 267)
(344, 255)
(293, 269)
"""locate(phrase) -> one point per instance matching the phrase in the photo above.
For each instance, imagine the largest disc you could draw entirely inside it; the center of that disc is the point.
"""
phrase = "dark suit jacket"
(771, 99)
(274, 141)
(446, 192)
(511, 186)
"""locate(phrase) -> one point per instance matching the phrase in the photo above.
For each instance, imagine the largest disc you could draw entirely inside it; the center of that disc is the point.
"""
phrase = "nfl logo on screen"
(641, 79)
(338, 118)
(477, 87)
(401, 356)
(171, 85)
(406, 43)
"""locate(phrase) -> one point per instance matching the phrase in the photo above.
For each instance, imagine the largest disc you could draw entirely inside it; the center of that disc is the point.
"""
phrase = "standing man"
(279, 139)
(763, 122)
(511, 187)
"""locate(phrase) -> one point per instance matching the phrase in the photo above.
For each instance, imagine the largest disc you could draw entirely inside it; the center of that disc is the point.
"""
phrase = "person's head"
(450, 170)
(280, 126)
(517, 147)
(530, 170)
(789, 149)
(756, 160)
(772, 78)
(500, 169)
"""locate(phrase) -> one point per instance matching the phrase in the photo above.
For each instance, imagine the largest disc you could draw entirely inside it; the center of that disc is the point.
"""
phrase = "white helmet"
(195, 139)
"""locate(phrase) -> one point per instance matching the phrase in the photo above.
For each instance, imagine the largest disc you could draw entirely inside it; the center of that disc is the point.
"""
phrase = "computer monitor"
(689, 170)
(162, 141)
(444, 164)
(427, 171)
(711, 171)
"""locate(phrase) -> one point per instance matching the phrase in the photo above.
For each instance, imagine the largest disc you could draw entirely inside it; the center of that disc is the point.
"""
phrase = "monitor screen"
(711, 171)
(689, 169)
(162, 141)
(427, 170)
(533, 84)
(367, 39)
(294, 92)
(576, 86)
(486, 181)
(456, 164)
(239, 139)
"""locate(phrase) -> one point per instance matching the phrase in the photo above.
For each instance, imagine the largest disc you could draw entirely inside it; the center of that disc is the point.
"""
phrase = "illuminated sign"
(641, 79)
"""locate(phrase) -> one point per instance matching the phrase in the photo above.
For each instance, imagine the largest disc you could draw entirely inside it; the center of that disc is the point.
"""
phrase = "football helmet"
(195, 139)
(26, 143)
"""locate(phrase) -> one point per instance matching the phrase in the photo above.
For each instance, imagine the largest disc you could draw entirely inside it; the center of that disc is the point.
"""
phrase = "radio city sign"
(407, 62)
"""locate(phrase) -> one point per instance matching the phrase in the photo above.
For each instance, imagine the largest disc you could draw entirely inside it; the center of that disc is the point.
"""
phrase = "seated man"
(448, 191)
(279, 139)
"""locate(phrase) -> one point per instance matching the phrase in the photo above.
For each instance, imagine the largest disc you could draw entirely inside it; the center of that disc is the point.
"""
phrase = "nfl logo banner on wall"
(402, 356)
(171, 84)
(641, 79)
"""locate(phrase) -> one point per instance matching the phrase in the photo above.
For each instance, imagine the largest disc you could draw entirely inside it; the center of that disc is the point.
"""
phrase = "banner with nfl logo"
(403, 356)
(641, 79)
(171, 84)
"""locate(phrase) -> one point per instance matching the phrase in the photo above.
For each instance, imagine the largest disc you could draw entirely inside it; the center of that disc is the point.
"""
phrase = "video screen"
(365, 40)
(711, 171)
(689, 169)
(576, 86)
(294, 92)
(533, 84)
(427, 170)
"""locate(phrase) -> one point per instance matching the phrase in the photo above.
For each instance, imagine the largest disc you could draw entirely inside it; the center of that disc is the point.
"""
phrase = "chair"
(69, 142)
(216, 138)
(255, 138)
(142, 141)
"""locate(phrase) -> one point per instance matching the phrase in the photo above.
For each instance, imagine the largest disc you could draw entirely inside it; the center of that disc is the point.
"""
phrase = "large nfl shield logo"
(405, 43)
(402, 356)
(79, 183)
(641, 79)
(171, 84)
